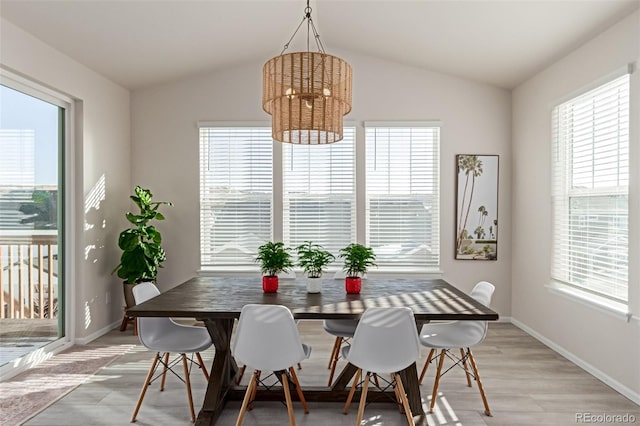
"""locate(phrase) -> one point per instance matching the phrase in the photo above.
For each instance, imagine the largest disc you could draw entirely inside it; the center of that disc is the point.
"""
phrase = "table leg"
(411, 385)
(223, 371)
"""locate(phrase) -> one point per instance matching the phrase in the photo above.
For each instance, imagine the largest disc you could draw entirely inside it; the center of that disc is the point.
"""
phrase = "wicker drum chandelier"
(306, 93)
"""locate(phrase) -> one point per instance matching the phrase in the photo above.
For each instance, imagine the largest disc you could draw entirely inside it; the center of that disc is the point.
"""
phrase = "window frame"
(562, 193)
(359, 197)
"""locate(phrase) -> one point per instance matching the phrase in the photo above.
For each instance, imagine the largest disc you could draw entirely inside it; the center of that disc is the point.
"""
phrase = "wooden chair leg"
(396, 390)
(287, 397)
(255, 389)
(352, 391)
(375, 380)
(363, 399)
(466, 368)
(164, 371)
(247, 396)
(187, 383)
(336, 344)
(299, 390)
(143, 391)
(405, 401)
(240, 374)
(426, 365)
(334, 359)
(437, 381)
(204, 367)
(487, 411)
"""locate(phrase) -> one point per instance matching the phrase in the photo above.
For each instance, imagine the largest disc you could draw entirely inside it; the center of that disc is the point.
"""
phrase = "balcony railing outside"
(29, 278)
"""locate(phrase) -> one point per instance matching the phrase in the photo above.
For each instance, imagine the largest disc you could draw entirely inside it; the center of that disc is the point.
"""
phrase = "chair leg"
(352, 391)
(426, 365)
(164, 371)
(287, 397)
(299, 366)
(334, 359)
(405, 401)
(202, 366)
(466, 369)
(487, 411)
(255, 390)
(437, 381)
(242, 370)
(187, 382)
(363, 399)
(396, 390)
(336, 344)
(143, 391)
(299, 390)
(247, 396)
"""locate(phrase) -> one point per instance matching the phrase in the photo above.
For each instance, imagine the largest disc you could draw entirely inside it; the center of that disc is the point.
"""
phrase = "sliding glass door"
(32, 135)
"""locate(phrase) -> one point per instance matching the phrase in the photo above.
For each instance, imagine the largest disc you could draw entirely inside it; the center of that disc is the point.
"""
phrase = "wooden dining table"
(217, 301)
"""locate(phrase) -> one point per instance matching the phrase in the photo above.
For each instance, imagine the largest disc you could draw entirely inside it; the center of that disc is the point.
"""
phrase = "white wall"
(102, 180)
(476, 120)
(609, 346)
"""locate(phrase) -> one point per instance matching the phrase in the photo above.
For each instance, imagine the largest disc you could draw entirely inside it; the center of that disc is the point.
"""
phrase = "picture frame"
(476, 233)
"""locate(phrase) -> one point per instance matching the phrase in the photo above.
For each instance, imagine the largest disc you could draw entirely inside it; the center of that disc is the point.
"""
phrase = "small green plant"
(142, 253)
(357, 259)
(313, 259)
(274, 258)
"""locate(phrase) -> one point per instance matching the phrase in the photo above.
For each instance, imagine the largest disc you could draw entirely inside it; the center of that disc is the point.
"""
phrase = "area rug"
(26, 394)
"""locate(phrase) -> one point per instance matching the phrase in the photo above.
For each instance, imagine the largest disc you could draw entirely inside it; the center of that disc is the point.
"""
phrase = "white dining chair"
(460, 335)
(385, 341)
(343, 330)
(267, 339)
(164, 336)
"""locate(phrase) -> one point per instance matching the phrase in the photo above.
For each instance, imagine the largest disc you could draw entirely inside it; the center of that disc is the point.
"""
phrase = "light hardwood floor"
(526, 384)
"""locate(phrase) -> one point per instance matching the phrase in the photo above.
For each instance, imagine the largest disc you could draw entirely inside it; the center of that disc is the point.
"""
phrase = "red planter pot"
(353, 285)
(270, 284)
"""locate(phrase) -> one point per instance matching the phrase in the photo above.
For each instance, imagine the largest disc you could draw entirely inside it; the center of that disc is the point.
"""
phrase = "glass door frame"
(69, 191)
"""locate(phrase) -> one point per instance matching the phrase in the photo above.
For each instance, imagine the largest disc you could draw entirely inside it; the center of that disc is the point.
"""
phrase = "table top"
(218, 298)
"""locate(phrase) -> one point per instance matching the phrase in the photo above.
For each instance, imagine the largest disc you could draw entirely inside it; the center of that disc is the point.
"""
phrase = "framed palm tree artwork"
(476, 207)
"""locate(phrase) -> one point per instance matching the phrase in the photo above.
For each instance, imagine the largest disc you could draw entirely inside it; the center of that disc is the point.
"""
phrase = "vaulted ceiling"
(142, 43)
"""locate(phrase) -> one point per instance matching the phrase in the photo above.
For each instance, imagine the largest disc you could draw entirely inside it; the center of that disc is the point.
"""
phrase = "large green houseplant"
(141, 244)
(313, 259)
(274, 258)
(357, 261)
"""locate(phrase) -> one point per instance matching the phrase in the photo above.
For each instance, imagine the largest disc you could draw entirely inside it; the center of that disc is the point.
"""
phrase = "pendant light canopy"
(307, 93)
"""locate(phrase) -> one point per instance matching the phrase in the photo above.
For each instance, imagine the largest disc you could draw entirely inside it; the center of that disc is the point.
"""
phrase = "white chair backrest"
(385, 341)
(150, 329)
(476, 331)
(267, 338)
(483, 292)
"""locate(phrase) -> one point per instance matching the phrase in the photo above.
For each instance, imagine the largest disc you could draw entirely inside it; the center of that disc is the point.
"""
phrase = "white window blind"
(236, 175)
(402, 205)
(590, 186)
(318, 193)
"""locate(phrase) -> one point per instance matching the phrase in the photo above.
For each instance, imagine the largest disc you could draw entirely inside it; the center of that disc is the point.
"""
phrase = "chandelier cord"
(310, 25)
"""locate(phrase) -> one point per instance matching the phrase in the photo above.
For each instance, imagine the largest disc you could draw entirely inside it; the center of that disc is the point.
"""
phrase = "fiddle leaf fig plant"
(142, 252)
(313, 259)
(274, 258)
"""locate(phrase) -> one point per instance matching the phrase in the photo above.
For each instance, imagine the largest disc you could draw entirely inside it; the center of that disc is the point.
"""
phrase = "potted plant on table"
(313, 259)
(274, 258)
(142, 252)
(357, 261)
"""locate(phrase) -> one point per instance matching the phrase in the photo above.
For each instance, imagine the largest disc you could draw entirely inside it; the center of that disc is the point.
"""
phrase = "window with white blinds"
(590, 186)
(402, 195)
(236, 182)
(318, 193)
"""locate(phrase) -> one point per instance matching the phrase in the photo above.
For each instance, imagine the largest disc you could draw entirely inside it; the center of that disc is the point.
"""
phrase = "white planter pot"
(314, 285)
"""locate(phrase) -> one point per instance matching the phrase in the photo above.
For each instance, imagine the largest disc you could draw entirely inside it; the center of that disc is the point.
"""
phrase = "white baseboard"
(624, 390)
(93, 336)
(503, 319)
